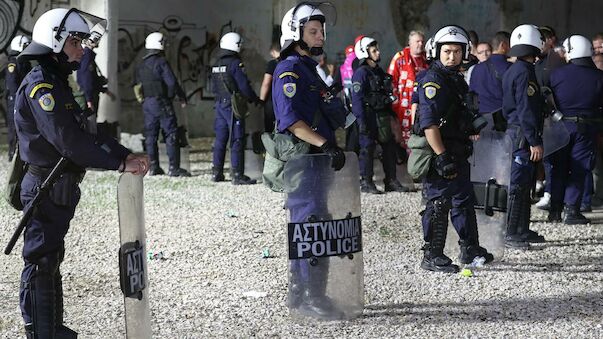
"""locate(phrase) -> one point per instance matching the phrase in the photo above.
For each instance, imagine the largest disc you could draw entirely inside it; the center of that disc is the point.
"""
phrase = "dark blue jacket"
(578, 90)
(15, 71)
(522, 101)
(227, 73)
(162, 77)
(363, 94)
(88, 77)
(297, 94)
(48, 123)
(486, 81)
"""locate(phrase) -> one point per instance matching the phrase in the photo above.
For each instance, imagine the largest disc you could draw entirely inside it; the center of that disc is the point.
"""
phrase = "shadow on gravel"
(529, 266)
(573, 242)
(529, 309)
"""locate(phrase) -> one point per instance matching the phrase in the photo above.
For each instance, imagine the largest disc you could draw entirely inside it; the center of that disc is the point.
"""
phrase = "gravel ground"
(212, 237)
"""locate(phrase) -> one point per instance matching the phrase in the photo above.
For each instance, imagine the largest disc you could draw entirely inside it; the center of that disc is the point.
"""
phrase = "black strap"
(493, 70)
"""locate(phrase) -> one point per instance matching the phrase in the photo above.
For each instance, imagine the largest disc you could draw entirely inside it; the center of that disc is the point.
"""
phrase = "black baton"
(56, 172)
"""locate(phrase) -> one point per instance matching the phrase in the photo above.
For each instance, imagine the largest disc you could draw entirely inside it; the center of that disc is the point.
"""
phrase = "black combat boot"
(42, 295)
(434, 258)
(314, 300)
(470, 248)
(524, 230)
(241, 179)
(178, 172)
(513, 238)
(573, 216)
(217, 175)
(368, 186)
(155, 169)
(393, 185)
(555, 211)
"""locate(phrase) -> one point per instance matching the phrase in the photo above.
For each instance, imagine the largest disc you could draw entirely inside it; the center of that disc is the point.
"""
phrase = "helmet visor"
(95, 24)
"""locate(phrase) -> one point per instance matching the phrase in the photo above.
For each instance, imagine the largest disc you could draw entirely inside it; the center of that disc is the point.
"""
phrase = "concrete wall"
(193, 28)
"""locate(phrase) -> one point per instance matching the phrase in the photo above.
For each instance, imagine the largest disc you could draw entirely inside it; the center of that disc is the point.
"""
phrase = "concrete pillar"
(106, 58)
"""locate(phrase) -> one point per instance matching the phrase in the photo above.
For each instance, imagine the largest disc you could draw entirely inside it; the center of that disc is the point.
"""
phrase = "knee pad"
(49, 263)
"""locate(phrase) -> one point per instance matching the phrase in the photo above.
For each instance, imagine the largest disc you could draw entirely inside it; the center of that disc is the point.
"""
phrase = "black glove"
(336, 154)
(445, 166)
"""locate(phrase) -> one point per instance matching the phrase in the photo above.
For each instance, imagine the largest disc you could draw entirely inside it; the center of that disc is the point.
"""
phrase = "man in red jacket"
(403, 68)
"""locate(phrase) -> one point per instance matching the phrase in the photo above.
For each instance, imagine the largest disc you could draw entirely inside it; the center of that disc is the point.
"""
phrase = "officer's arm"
(434, 138)
(301, 130)
(528, 118)
(359, 84)
(242, 81)
(117, 149)
(84, 77)
(59, 128)
(168, 77)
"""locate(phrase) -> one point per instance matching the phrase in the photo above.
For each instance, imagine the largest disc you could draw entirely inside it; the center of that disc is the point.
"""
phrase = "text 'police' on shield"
(324, 238)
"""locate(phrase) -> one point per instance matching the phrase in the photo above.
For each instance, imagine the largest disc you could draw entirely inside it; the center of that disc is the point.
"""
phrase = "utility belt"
(65, 191)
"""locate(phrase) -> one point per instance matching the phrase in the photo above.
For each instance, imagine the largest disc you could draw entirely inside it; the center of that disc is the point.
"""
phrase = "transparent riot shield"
(555, 135)
(132, 259)
(324, 238)
(254, 149)
(490, 176)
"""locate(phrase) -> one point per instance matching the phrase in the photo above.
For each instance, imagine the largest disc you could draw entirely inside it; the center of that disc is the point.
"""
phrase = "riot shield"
(490, 176)
(555, 135)
(254, 149)
(254, 165)
(324, 238)
(132, 259)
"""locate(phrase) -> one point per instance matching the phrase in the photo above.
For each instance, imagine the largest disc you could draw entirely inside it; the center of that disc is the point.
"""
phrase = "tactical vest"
(152, 84)
(223, 83)
(379, 94)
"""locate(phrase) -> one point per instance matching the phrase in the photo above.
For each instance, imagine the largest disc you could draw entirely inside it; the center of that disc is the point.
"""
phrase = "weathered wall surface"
(193, 29)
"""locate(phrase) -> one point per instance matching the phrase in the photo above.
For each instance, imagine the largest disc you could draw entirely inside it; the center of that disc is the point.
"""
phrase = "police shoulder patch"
(356, 86)
(47, 102)
(432, 84)
(430, 92)
(38, 87)
(289, 89)
(290, 74)
(11, 67)
(532, 88)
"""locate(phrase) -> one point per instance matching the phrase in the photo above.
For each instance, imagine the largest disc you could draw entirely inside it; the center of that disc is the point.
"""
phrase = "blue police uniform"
(522, 109)
(578, 92)
(159, 86)
(440, 94)
(486, 81)
(49, 126)
(297, 96)
(371, 104)
(90, 81)
(228, 76)
(14, 73)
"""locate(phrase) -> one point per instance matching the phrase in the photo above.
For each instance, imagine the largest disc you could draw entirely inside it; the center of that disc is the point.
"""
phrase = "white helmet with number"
(451, 34)
(526, 40)
(231, 41)
(19, 43)
(155, 40)
(361, 47)
(429, 49)
(577, 46)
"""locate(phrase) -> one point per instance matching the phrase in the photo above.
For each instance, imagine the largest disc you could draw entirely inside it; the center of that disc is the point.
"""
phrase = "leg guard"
(470, 248)
(434, 259)
(39, 298)
(514, 212)
(527, 234)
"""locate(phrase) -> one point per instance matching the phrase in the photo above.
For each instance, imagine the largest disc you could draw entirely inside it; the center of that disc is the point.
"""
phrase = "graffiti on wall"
(189, 50)
(17, 17)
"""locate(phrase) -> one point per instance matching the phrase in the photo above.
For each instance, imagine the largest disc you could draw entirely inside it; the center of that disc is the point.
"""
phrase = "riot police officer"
(303, 113)
(447, 127)
(49, 126)
(14, 74)
(522, 109)
(371, 104)
(159, 86)
(578, 92)
(228, 77)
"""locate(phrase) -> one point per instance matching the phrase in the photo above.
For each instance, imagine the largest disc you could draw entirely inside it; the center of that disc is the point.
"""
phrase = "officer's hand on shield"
(445, 166)
(336, 154)
(137, 164)
(536, 153)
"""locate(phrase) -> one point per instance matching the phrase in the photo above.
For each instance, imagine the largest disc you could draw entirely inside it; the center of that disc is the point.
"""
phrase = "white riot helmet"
(451, 34)
(526, 40)
(19, 43)
(294, 20)
(577, 46)
(155, 40)
(362, 46)
(429, 49)
(231, 41)
(53, 28)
